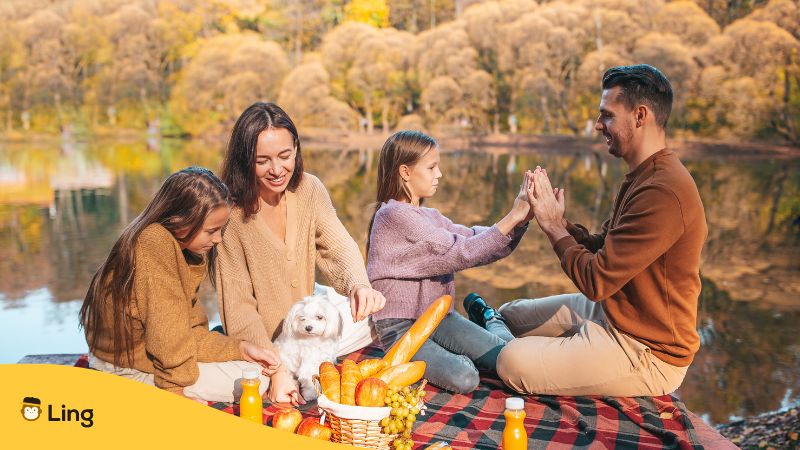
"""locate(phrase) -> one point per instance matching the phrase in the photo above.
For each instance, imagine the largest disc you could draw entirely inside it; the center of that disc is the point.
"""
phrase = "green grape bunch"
(406, 404)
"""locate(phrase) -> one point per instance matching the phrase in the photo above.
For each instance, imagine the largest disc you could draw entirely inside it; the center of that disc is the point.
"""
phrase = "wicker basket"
(359, 426)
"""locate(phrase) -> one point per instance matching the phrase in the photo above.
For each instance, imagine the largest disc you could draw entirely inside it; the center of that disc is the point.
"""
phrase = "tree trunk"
(385, 117)
(59, 113)
(546, 111)
(788, 118)
(298, 32)
(370, 122)
(145, 105)
(9, 115)
(598, 27)
(413, 26)
(777, 193)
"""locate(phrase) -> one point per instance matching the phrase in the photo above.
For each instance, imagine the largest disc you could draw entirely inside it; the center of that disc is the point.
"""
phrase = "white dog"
(310, 336)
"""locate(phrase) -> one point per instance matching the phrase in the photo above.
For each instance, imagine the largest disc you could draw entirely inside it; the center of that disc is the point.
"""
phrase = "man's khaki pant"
(566, 346)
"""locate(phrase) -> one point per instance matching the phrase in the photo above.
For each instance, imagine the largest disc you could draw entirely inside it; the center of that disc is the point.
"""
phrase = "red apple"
(287, 419)
(310, 427)
(371, 392)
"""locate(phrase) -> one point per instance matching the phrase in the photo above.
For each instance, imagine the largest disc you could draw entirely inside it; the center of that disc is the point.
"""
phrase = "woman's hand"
(283, 388)
(364, 301)
(267, 359)
(522, 208)
(521, 211)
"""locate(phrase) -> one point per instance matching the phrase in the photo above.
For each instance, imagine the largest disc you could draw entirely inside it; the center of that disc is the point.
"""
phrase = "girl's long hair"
(181, 205)
(401, 148)
(239, 167)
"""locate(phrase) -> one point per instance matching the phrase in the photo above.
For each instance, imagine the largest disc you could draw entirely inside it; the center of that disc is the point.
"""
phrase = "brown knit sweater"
(259, 277)
(645, 264)
(170, 325)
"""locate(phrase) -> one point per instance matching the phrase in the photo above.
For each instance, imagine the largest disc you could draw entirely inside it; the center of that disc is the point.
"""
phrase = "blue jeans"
(452, 354)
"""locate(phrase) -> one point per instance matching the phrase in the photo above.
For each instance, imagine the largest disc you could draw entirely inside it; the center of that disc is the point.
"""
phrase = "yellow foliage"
(371, 12)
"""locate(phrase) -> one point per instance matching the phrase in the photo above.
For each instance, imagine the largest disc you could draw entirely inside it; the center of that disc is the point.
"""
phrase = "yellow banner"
(48, 406)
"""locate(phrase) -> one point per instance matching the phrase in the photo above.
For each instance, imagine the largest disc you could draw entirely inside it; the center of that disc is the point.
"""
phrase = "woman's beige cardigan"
(259, 277)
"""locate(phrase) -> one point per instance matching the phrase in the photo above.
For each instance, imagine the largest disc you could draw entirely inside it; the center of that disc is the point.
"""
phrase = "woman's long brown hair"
(401, 148)
(181, 205)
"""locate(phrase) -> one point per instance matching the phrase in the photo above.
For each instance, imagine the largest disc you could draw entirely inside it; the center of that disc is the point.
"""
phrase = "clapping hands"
(547, 204)
(537, 199)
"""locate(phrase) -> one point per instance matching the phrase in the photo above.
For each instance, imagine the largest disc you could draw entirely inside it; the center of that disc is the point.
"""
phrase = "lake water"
(61, 208)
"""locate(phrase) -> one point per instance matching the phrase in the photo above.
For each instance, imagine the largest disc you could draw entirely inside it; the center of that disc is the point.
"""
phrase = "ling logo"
(31, 408)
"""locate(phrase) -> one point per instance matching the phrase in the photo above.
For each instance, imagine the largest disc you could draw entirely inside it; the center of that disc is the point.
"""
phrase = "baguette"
(408, 345)
(370, 367)
(404, 374)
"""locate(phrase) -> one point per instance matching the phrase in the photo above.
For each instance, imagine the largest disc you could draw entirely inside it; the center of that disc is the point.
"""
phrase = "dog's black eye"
(319, 317)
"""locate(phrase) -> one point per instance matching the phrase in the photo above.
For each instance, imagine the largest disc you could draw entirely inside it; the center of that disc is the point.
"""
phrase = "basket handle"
(315, 383)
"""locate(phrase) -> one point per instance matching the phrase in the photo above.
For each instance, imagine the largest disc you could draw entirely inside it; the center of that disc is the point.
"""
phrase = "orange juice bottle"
(514, 435)
(250, 405)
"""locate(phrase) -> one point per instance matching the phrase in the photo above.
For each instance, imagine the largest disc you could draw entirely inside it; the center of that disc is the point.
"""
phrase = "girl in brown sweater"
(141, 315)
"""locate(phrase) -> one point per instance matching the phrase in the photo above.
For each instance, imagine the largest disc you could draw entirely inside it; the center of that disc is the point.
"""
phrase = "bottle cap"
(250, 373)
(515, 403)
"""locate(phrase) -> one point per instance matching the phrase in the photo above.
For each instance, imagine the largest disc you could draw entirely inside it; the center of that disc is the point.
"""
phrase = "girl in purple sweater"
(413, 253)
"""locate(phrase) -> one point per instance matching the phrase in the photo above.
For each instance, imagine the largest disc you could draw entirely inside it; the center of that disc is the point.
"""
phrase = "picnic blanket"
(476, 420)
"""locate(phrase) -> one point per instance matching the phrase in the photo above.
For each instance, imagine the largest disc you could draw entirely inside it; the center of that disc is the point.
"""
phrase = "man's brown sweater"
(645, 264)
(170, 325)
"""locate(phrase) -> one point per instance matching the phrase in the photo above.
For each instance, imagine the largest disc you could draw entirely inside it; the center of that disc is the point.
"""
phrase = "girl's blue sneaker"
(478, 311)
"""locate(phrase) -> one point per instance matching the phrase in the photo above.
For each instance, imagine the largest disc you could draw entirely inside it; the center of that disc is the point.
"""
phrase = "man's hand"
(364, 301)
(268, 360)
(548, 206)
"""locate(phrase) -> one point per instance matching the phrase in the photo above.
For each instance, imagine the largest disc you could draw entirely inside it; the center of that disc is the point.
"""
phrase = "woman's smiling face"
(275, 159)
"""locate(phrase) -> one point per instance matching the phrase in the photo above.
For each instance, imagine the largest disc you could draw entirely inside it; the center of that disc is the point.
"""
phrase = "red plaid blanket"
(476, 420)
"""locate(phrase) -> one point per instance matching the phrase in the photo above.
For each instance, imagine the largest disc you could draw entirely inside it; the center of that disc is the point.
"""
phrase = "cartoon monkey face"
(31, 412)
(31, 408)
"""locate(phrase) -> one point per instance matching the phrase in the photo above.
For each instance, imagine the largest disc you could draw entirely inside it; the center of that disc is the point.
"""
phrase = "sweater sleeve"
(169, 341)
(339, 258)
(461, 229)
(211, 346)
(237, 302)
(427, 250)
(651, 224)
(593, 242)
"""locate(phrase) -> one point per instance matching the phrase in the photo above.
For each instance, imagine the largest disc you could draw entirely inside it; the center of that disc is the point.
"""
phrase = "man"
(631, 331)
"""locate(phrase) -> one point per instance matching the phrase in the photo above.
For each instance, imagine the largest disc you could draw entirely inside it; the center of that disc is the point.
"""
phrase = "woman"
(414, 253)
(282, 227)
(141, 314)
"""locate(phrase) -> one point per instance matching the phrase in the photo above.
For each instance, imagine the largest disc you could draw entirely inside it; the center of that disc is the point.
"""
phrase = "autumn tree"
(229, 73)
(306, 96)
(369, 69)
(370, 12)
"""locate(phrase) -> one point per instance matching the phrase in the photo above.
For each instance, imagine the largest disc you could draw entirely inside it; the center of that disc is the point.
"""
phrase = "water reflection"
(61, 209)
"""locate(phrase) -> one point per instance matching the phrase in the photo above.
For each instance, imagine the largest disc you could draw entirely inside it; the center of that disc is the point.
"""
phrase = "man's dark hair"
(642, 84)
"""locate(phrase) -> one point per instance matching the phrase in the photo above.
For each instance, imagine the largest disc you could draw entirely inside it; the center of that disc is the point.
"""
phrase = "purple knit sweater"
(415, 251)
